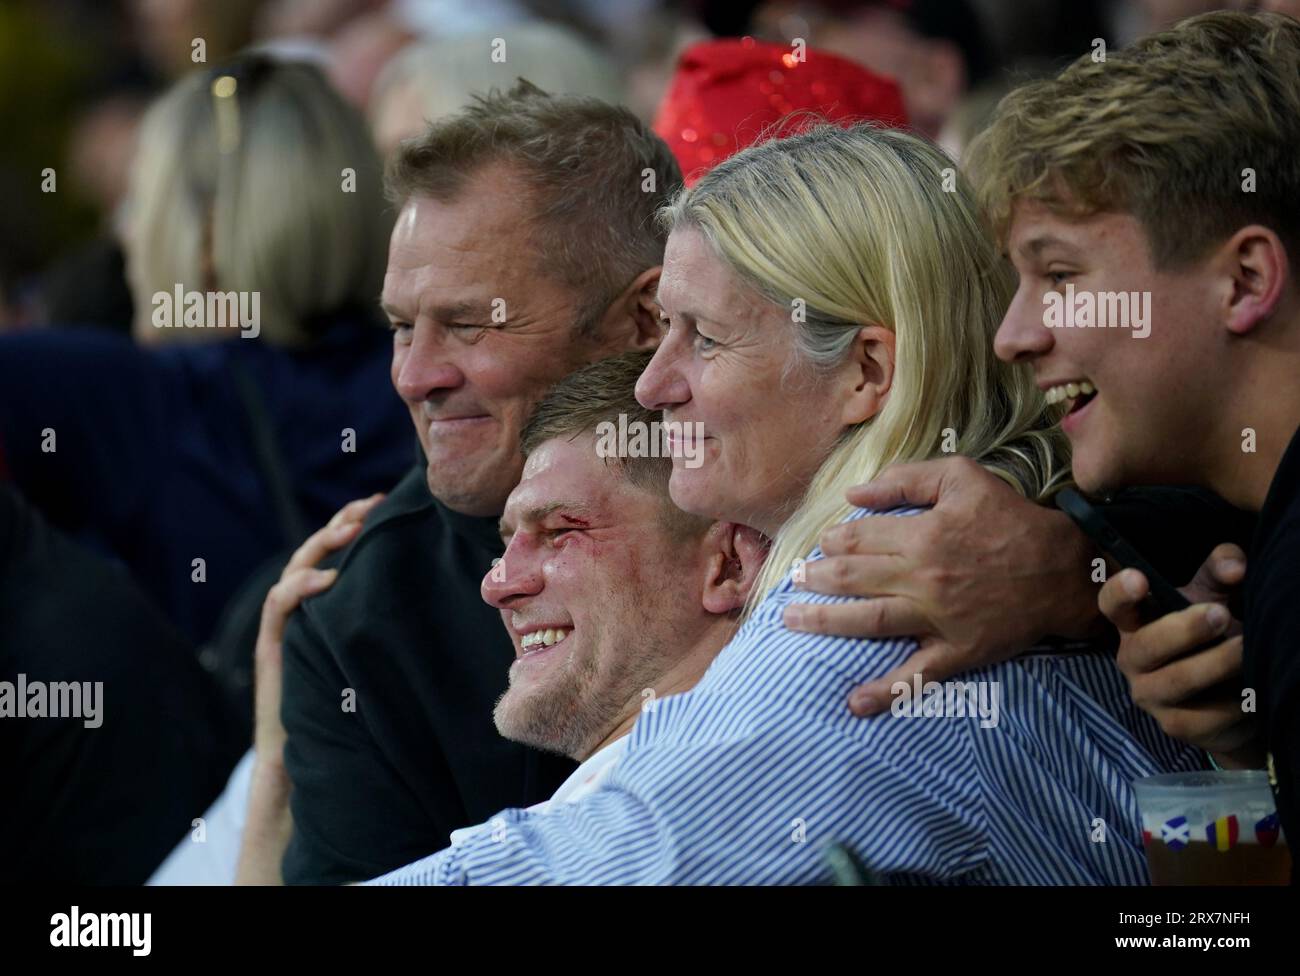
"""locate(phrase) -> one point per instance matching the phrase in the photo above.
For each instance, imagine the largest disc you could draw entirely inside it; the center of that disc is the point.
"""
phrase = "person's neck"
(684, 675)
(1264, 416)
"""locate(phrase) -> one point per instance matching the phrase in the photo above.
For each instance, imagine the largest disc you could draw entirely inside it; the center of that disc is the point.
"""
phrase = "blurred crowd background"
(77, 75)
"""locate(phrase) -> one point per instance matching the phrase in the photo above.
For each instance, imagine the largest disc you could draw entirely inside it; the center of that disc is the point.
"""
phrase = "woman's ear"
(736, 555)
(870, 374)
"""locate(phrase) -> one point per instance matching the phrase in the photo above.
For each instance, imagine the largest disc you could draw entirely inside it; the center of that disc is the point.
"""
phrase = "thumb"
(1222, 571)
(1120, 600)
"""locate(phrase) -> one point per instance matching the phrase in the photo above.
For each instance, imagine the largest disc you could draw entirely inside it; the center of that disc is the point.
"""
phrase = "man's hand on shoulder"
(977, 578)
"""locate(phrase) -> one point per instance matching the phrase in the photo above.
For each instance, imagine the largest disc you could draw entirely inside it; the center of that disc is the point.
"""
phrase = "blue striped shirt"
(745, 778)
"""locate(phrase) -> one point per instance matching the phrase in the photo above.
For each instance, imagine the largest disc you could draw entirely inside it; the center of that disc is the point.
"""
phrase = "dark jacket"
(101, 804)
(404, 632)
(156, 460)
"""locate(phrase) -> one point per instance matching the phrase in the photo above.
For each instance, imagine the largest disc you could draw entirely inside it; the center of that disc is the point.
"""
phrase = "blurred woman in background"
(200, 451)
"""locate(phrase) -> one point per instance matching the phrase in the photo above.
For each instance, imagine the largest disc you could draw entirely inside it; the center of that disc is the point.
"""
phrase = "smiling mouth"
(445, 427)
(541, 640)
(1079, 392)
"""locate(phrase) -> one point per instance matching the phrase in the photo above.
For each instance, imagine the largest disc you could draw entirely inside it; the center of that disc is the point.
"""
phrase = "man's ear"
(632, 319)
(1255, 260)
(735, 557)
(871, 374)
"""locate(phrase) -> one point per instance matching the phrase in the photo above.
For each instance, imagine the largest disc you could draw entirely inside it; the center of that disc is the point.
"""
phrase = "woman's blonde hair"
(867, 226)
(283, 197)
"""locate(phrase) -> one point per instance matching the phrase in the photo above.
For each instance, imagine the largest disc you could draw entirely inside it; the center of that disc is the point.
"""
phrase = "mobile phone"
(1163, 595)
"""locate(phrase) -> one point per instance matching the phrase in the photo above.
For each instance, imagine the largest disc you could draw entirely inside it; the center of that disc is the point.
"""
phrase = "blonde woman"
(260, 402)
(258, 179)
(829, 302)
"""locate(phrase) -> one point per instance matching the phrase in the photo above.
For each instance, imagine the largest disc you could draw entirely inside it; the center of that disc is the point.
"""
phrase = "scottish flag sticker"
(1176, 833)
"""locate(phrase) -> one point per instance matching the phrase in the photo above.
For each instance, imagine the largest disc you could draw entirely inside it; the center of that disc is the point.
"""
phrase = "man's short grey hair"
(596, 174)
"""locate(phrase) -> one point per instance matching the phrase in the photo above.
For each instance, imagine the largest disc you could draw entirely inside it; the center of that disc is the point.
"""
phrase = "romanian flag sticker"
(1223, 833)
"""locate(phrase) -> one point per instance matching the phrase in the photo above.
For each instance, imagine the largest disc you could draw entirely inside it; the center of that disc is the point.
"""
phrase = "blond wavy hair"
(1167, 130)
(269, 215)
(874, 226)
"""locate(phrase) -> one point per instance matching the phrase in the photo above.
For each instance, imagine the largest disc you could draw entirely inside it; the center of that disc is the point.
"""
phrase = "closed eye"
(467, 332)
(560, 536)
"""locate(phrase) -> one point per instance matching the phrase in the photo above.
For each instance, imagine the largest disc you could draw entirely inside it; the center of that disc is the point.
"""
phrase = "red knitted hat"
(726, 93)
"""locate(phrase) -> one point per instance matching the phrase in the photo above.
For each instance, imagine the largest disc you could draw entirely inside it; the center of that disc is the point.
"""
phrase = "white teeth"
(544, 638)
(1068, 391)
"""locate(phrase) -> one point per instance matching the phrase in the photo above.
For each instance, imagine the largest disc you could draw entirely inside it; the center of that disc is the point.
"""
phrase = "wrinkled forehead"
(698, 284)
(483, 223)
